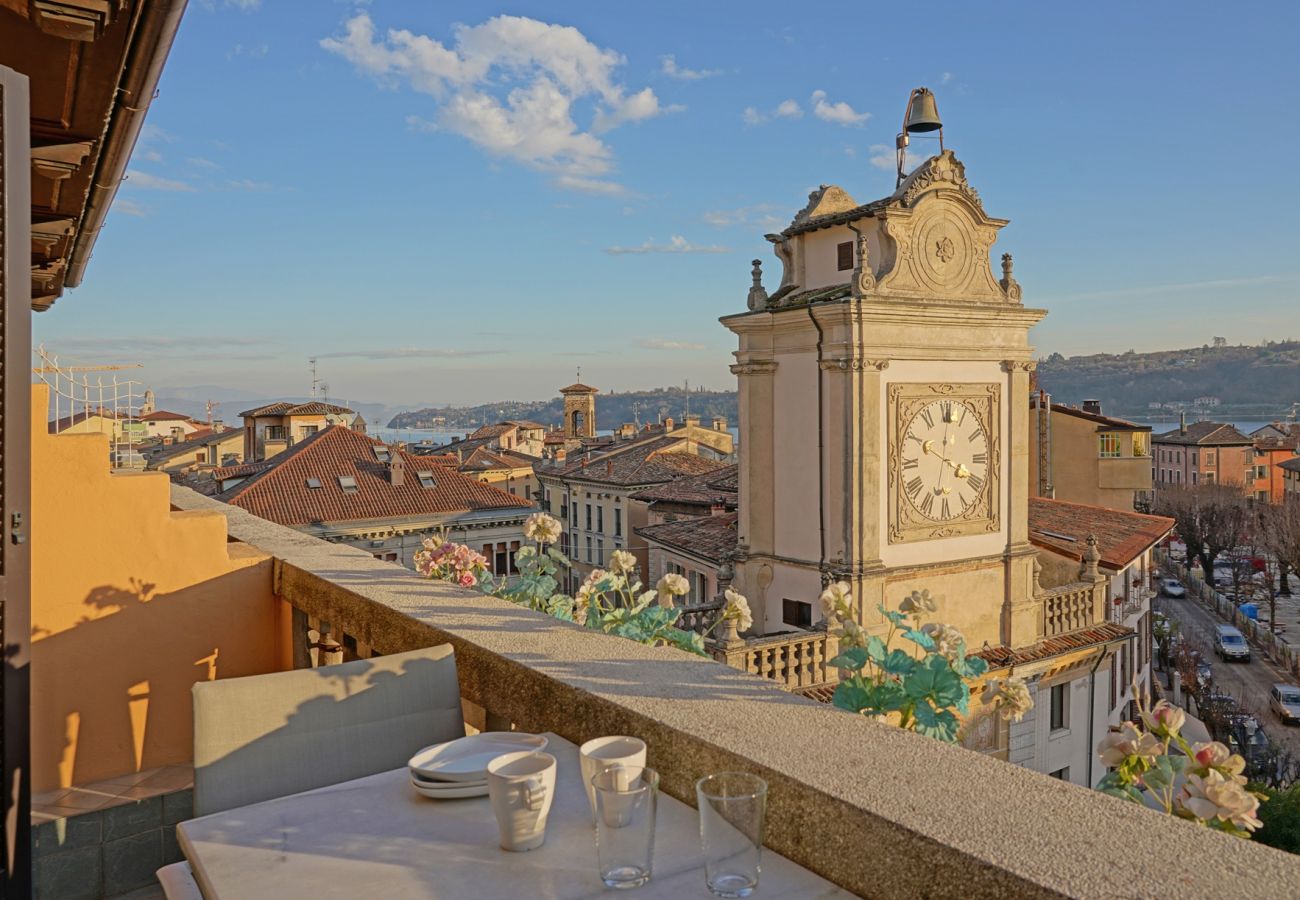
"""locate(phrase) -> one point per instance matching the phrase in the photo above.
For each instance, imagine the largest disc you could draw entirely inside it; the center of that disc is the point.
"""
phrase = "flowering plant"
(1212, 791)
(610, 600)
(446, 561)
(922, 688)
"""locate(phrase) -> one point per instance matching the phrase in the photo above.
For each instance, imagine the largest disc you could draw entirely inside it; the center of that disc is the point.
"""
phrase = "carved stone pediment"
(825, 201)
(938, 238)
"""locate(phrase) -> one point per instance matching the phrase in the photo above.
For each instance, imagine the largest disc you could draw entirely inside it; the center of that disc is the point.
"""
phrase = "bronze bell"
(922, 114)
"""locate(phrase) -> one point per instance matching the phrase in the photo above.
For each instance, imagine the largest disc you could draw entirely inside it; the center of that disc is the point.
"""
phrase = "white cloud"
(945, 78)
(407, 353)
(885, 157)
(676, 244)
(511, 86)
(591, 186)
(663, 344)
(151, 156)
(786, 109)
(248, 184)
(151, 132)
(136, 178)
(840, 113)
(256, 51)
(672, 70)
(760, 215)
(129, 207)
(201, 162)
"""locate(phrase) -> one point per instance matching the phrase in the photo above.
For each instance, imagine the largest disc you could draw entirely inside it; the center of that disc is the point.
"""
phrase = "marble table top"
(376, 837)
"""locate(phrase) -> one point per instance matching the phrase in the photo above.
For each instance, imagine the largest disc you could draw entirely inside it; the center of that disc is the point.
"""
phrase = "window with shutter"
(844, 254)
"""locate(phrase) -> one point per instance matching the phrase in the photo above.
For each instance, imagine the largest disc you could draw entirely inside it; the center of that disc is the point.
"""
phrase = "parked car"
(1172, 587)
(1284, 700)
(1231, 644)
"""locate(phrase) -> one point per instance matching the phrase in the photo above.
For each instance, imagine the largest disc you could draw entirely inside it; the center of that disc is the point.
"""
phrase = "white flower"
(919, 602)
(1125, 742)
(738, 608)
(948, 641)
(1164, 718)
(836, 600)
(543, 528)
(1212, 796)
(672, 585)
(850, 634)
(1011, 698)
(622, 562)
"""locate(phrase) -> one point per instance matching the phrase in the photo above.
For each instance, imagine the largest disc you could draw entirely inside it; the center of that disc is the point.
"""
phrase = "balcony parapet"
(795, 660)
(1070, 607)
(908, 816)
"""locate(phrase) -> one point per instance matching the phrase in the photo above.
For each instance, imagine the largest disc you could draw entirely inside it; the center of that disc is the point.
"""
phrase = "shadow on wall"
(111, 694)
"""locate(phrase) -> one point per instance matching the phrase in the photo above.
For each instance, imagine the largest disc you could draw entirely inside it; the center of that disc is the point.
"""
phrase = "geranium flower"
(1211, 796)
(543, 528)
(1164, 719)
(836, 600)
(738, 608)
(1011, 698)
(948, 641)
(622, 562)
(672, 585)
(1128, 742)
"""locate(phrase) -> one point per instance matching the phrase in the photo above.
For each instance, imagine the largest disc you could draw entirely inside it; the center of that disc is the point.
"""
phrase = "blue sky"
(462, 202)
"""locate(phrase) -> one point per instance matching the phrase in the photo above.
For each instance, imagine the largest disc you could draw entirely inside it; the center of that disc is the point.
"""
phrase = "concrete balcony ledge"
(879, 811)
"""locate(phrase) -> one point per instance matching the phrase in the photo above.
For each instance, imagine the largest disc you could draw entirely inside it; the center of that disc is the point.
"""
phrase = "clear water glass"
(732, 806)
(625, 824)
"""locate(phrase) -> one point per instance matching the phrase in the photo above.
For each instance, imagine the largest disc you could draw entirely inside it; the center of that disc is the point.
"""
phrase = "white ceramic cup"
(521, 787)
(598, 754)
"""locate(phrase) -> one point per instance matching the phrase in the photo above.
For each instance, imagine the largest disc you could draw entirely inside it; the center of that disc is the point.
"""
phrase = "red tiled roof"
(648, 461)
(163, 415)
(525, 424)
(483, 459)
(280, 493)
(221, 473)
(1105, 423)
(579, 388)
(706, 537)
(490, 431)
(287, 408)
(714, 487)
(1004, 657)
(1121, 536)
(1204, 434)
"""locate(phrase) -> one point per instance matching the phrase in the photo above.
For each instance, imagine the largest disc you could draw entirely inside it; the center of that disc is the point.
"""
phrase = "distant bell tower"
(579, 410)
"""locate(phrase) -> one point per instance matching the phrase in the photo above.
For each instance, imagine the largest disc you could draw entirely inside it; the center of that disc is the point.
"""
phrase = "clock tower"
(884, 399)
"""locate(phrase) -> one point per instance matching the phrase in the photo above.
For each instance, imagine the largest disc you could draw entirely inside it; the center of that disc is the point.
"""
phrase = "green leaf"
(876, 649)
(1160, 776)
(920, 638)
(898, 662)
(853, 658)
(853, 697)
(893, 615)
(970, 666)
(940, 724)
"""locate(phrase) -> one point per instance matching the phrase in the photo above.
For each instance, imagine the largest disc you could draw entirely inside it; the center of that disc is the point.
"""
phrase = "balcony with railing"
(911, 816)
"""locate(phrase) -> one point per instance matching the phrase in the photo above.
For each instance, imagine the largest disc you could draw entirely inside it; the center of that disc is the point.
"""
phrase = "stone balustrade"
(796, 660)
(880, 811)
(1069, 607)
(700, 617)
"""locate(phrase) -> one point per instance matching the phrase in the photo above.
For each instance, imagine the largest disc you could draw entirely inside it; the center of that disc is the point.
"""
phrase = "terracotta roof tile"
(1004, 657)
(1106, 423)
(706, 537)
(707, 489)
(1121, 536)
(648, 461)
(579, 388)
(280, 492)
(288, 408)
(1205, 434)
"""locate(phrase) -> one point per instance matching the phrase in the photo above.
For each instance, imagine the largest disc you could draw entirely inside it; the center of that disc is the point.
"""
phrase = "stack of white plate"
(459, 768)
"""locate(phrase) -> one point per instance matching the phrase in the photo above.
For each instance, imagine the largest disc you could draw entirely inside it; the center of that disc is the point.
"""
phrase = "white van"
(1230, 644)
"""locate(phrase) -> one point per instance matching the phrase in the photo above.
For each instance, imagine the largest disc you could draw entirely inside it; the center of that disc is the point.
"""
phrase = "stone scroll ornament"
(864, 279)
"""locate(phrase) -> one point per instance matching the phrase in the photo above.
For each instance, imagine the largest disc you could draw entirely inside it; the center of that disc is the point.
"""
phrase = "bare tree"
(1209, 518)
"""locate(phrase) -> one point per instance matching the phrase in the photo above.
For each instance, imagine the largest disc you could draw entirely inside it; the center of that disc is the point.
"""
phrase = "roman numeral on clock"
(910, 464)
(927, 504)
(913, 487)
(976, 482)
(946, 407)
(944, 513)
(980, 459)
(928, 416)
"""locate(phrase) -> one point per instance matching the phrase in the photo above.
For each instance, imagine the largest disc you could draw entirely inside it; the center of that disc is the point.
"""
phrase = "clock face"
(944, 460)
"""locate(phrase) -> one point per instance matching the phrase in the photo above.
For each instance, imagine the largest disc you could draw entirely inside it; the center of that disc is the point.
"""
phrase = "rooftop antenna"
(686, 388)
(210, 406)
(314, 381)
(921, 116)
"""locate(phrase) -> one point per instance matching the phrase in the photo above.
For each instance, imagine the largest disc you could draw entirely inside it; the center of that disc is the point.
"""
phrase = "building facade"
(1203, 453)
(1079, 455)
(1275, 444)
(275, 427)
(884, 441)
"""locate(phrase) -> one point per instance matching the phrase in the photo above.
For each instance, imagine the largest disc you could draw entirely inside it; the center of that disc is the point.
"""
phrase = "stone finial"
(864, 279)
(1038, 571)
(757, 293)
(1009, 285)
(1091, 557)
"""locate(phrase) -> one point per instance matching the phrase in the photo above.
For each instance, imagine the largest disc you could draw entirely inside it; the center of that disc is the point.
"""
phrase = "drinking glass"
(732, 806)
(625, 824)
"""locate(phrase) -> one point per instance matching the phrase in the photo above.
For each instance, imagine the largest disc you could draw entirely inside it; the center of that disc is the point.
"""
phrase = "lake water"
(443, 436)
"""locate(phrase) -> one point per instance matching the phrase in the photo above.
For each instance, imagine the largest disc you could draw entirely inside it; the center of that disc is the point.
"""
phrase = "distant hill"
(1261, 381)
(612, 410)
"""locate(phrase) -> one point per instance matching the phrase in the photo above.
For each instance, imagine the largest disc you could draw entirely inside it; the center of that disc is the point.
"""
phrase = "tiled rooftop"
(281, 493)
(705, 537)
(1211, 434)
(1105, 423)
(648, 461)
(287, 408)
(708, 488)
(1003, 657)
(1121, 536)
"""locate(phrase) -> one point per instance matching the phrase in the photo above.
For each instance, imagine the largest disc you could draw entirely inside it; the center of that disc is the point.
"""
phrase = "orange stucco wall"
(131, 604)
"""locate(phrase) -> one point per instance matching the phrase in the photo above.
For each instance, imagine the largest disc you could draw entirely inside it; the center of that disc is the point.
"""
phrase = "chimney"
(396, 470)
(1182, 423)
(693, 421)
(560, 455)
(609, 467)
(668, 424)
(719, 423)
(1092, 406)
(218, 426)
